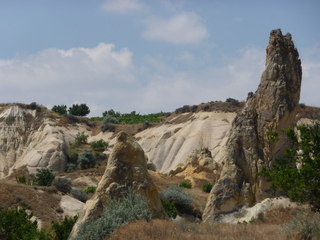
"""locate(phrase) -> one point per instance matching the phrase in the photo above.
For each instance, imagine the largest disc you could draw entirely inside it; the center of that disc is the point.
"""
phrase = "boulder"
(127, 168)
(272, 107)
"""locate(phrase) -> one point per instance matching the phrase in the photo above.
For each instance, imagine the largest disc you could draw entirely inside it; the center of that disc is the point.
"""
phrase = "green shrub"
(16, 224)
(305, 225)
(79, 110)
(107, 127)
(302, 105)
(99, 145)
(71, 167)
(132, 207)
(170, 208)
(86, 159)
(176, 194)
(60, 109)
(80, 195)
(206, 187)
(44, 177)
(22, 179)
(90, 189)
(80, 139)
(62, 184)
(109, 119)
(62, 230)
(185, 185)
(73, 155)
(151, 166)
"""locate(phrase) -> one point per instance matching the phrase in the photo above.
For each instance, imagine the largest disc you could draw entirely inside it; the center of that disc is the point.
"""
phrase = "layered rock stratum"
(127, 168)
(271, 108)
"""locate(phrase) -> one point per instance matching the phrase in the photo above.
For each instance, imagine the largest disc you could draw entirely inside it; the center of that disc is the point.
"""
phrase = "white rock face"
(45, 145)
(23, 143)
(70, 206)
(169, 144)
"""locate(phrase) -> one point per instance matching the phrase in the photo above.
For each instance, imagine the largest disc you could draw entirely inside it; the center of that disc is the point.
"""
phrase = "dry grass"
(42, 201)
(161, 229)
(270, 227)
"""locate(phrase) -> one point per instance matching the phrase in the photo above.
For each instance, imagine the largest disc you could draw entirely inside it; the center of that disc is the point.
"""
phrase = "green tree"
(44, 177)
(297, 172)
(79, 110)
(15, 224)
(60, 109)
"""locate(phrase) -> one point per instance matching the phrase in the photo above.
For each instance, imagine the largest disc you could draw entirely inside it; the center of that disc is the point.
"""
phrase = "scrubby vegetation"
(79, 194)
(131, 207)
(206, 187)
(99, 145)
(16, 224)
(185, 184)
(297, 172)
(86, 159)
(62, 184)
(90, 189)
(111, 117)
(44, 177)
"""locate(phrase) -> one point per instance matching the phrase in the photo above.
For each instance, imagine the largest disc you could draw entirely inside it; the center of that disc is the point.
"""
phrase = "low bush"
(131, 207)
(80, 139)
(80, 195)
(61, 231)
(107, 127)
(304, 225)
(62, 184)
(99, 145)
(21, 179)
(86, 159)
(151, 166)
(90, 189)
(109, 119)
(44, 177)
(185, 185)
(60, 109)
(170, 208)
(206, 187)
(176, 194)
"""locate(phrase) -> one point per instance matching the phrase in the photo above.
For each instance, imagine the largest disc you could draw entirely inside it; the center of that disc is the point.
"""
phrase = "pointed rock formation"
(272, 107)
(127, 168)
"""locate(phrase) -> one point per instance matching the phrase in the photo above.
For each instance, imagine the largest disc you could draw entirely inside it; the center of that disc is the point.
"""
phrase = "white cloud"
(105, 78)
(97, 76)
(310, 76)
(186, 28)
(122, 6)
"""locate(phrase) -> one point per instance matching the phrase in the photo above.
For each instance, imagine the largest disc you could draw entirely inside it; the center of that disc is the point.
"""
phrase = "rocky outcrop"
(26, 139)
(127, 168)
(169, 144)
(199, 158)
(272, 107)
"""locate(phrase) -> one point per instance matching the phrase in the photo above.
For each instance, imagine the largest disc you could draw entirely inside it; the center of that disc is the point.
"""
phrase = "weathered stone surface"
(272, 107)
(22, 142)
(198, 158)
(169, 144)
(127, 168)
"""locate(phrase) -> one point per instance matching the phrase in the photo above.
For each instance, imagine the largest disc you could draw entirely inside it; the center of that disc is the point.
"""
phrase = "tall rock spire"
(272, 107)
(127, 168)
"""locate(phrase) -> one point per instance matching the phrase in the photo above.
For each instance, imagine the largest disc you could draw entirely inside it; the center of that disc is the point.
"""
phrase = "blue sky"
(148, 56)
